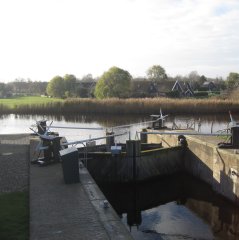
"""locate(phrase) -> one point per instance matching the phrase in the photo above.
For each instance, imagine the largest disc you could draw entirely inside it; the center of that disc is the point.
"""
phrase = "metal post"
(199, 125)
(110, 141)
(56, 148)
(156, 124)
(235, 136)
(133, 152)
(144, 137)
(47, 152)
(212, 127)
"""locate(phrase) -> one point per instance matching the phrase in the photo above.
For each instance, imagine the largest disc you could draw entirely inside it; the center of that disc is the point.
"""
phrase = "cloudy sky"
(43, 38)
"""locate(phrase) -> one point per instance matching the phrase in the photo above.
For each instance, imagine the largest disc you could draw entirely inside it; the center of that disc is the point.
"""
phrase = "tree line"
(115, 82)
(22, 87)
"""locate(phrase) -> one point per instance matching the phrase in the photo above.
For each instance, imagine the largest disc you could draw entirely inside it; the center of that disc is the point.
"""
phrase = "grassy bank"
(32, 100)
(14, 216)
(124, 106)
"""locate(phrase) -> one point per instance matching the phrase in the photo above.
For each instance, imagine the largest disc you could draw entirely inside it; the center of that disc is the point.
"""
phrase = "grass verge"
(30, 100)
(14, 216)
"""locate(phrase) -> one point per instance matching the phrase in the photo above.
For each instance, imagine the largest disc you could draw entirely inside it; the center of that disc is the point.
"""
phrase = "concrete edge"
(115, 229)
(214, 146)
(201, 141)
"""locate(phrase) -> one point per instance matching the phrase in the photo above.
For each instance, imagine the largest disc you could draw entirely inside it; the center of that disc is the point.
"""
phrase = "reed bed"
(128, 106)
(4, 109)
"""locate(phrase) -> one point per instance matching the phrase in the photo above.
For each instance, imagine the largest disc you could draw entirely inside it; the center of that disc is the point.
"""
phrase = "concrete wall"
(203, 159)
(214, 166)
(222, 219)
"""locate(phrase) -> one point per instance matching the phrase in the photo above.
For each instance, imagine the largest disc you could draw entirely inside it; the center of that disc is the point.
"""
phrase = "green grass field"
(17, 101)
(14, 216)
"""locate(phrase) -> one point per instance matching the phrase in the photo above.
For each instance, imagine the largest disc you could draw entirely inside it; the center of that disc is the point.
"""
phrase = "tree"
(113, 83)
(194, 79)
(70, 85)
(2, 89)
(156, 73)
(19, 86)
(87, 78)
(202, 80)
(193, 76)
(220, 83)
(56, 87)
(233, 80)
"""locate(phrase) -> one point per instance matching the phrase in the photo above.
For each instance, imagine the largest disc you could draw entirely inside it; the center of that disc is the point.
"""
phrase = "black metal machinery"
(157, 122)
(49, 146)
(41, 126)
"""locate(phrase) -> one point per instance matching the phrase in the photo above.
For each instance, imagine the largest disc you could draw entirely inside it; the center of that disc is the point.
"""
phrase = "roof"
(183, 86)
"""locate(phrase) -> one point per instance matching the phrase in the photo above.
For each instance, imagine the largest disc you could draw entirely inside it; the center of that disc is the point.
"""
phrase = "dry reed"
(128, 106)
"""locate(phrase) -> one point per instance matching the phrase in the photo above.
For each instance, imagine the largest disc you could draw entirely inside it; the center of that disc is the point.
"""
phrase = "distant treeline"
(155, 84)
(114, 106)
(22, 87)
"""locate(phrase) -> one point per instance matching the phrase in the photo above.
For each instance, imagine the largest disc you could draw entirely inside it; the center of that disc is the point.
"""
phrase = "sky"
(40, 39)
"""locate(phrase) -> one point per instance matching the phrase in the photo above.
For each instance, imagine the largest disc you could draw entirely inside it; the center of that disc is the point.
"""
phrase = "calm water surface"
(20, 124)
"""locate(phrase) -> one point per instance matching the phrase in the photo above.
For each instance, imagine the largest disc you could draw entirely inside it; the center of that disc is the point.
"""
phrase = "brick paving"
(14, 163)
(60, 211)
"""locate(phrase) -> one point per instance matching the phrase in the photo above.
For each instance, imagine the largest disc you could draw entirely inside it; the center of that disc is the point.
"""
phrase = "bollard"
(182, 141)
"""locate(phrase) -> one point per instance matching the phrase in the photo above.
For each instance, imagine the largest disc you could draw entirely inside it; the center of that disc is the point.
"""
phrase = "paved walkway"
(60, 211)
(14, 163)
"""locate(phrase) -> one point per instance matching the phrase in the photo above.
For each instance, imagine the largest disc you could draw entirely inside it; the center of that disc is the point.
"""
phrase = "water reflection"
(174, 207)
(114, 120)
(15, 123)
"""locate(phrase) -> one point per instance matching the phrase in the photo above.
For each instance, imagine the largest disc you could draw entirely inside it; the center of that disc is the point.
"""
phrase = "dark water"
(174, 207)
